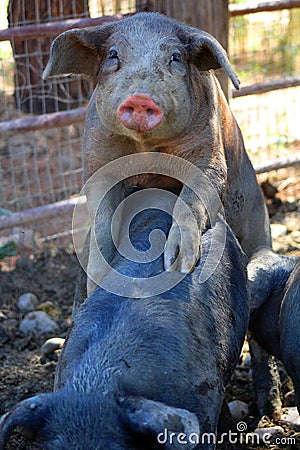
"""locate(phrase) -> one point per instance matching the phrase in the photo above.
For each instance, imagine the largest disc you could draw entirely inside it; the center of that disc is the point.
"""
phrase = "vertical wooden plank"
(208, 15)
(32, 95)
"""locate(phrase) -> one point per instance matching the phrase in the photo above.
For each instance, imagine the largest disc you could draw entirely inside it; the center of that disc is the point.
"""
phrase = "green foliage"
(4, 212)
(10, 248)
(265, 45)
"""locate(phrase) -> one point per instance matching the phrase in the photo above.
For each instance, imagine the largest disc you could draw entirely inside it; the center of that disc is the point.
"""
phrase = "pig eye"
(175, 57)
(113, 54)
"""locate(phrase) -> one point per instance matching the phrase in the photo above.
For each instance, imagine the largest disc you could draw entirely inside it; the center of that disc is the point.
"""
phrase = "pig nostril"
(140, 113)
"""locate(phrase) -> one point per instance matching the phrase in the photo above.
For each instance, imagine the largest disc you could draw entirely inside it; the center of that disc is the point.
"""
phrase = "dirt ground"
(50, 274)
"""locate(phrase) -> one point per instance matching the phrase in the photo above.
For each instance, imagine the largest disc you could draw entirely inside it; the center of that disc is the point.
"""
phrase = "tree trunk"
(208, 15)
(32, 95)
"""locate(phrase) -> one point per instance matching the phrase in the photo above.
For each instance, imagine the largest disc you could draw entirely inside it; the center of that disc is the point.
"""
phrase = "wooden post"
(208, 15)
(32, 95)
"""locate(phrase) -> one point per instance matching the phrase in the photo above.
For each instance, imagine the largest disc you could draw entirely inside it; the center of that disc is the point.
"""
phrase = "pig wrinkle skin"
(274, 283)
(150, 56)
(132, 368)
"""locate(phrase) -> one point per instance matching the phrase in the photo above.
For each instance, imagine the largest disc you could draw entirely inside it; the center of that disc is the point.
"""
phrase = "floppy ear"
(77, 51)
(206, 53)
(160, 420)
(30, 415)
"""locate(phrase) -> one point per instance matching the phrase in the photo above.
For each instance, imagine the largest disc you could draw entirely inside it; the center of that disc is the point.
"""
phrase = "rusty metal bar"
(279, 163)
(241, 10)
(267, 86)
(44, 121)
(53, 28)
(40, 213)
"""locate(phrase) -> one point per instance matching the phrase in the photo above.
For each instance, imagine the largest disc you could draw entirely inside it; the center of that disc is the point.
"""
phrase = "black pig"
(274, 282)
(146, 373)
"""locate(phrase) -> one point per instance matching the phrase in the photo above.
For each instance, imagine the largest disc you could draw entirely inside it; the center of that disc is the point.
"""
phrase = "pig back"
(198, 323)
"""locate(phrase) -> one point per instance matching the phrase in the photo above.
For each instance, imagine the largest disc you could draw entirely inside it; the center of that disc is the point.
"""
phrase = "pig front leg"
(101, 245)
(191, 215)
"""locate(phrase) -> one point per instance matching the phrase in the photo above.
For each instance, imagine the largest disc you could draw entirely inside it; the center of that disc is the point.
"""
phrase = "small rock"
(291, 206)
(292, 223)
(296, 235)
(51, 345)
(37, 322)
(49, 308)
(291, 418)
(27, 302)
(247, 361)
(239, 410)
(242, 375)
(2, 315)
(266, 434)
(289, 398)
(277, 230)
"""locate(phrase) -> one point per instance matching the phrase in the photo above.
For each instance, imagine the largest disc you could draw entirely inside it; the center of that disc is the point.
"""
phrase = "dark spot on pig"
(205, 386)
(175, 422)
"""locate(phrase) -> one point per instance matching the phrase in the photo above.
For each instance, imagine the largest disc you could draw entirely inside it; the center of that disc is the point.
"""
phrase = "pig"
(274, 287)
(155, 91)
(145, 373)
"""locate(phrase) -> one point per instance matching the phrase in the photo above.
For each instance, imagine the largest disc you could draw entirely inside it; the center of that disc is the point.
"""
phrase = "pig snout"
(139, 112)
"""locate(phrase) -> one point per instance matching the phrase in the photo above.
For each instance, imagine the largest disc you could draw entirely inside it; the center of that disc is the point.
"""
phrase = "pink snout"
(140, 113)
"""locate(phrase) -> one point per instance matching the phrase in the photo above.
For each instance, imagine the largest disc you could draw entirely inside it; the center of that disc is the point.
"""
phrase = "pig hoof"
(181, 250)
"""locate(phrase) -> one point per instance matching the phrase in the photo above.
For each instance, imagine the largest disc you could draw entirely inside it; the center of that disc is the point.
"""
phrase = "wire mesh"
(264, 47)
(41, 167)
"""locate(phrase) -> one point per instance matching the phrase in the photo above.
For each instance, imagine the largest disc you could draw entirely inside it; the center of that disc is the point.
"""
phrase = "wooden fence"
(63, 118)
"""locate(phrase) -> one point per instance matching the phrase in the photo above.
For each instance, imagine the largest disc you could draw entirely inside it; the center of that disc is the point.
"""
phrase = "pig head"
(155, 92)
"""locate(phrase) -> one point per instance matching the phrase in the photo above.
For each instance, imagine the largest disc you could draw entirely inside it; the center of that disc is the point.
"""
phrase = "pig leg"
(256, 230)
(81, 281)
(210, 413)
(101, 246)
(264, 281)
(266, 381)
(289, 330)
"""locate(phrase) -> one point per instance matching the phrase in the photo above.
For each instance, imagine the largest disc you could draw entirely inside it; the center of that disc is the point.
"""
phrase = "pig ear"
(30, 415)
(207, 53)
(77, 51)
(148, 417)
